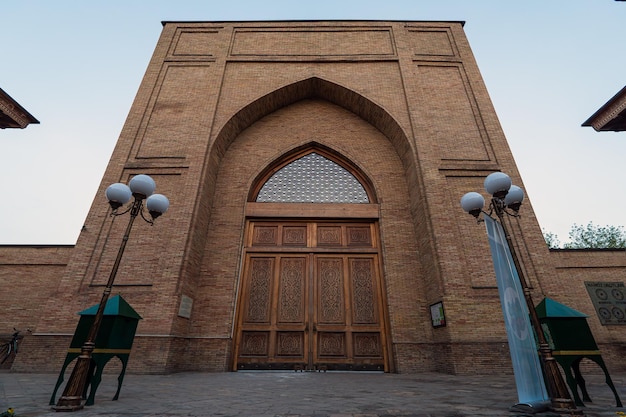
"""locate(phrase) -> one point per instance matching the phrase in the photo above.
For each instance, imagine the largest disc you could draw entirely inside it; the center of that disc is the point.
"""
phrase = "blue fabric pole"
(529, 380)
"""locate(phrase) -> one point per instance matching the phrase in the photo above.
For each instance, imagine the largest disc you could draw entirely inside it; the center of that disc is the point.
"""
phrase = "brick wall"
(29, 276)
(220, 102)
(575, 267)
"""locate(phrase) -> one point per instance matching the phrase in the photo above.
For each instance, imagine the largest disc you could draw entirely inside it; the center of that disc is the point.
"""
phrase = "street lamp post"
(506, 200)
(141, 187)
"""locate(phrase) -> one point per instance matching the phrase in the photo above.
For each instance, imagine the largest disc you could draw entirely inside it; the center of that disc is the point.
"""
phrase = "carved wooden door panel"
(347, 330)
(310, 298)
(274, 317)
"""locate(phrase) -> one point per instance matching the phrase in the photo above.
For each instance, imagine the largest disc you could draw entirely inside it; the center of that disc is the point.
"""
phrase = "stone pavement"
(296, 394)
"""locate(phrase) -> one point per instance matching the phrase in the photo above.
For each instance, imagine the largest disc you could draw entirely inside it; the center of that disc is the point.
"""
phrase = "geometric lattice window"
(312, 179)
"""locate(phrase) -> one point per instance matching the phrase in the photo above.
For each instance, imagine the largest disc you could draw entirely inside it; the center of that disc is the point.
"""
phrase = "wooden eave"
(12, 115)
(611, 117)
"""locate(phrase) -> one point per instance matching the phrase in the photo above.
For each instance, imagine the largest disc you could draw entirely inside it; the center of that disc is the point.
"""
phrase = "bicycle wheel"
(5, 352)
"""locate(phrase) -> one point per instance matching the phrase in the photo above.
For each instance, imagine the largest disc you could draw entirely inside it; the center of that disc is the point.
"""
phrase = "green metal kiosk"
(115, 338)
(571, 340)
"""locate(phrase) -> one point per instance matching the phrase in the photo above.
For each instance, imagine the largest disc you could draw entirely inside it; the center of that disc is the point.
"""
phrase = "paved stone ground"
(296, 394)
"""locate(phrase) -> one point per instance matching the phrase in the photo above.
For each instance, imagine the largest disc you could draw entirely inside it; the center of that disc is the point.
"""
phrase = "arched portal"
(311, 292)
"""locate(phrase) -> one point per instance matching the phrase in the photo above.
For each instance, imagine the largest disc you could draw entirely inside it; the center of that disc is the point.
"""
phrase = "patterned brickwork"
(222, 102)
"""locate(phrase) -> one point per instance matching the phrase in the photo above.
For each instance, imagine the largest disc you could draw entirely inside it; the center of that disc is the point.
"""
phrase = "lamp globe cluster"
(141, 187)
(499, 185)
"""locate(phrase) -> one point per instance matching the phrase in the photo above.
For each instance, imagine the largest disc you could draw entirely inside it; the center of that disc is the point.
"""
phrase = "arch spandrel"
(315, 88)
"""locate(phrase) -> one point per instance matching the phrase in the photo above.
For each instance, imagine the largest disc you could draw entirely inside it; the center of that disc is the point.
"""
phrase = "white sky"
(77, 65)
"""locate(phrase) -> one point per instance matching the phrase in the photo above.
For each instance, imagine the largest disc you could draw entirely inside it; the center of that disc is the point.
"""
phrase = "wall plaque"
(437, 314)
(184, 310)
(609, 300)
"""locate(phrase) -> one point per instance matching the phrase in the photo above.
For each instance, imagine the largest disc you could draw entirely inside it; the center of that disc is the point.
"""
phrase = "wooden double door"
(311, 298)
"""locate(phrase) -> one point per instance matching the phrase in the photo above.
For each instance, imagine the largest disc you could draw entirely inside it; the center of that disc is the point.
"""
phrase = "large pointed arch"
(310, 88)
(334, 245)
(315, 88)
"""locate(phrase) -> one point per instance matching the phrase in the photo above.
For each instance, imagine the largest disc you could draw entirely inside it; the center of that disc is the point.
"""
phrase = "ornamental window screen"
(312, 178)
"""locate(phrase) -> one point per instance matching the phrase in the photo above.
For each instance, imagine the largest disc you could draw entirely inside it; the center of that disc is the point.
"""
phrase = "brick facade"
(221, 102)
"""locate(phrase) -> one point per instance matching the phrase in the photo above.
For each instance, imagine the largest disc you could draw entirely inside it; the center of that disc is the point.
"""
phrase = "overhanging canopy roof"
(12, 115)
(611, 117)
(115, 306)
(550, 308)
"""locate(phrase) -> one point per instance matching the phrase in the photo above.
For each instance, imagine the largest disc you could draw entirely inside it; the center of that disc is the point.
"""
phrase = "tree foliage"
(552, 240)
(590, 236)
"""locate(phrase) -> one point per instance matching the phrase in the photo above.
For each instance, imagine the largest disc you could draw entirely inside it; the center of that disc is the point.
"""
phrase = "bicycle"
(10, 348)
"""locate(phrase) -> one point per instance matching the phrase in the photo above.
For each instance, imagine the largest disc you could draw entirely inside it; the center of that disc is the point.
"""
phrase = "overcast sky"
(77, 65)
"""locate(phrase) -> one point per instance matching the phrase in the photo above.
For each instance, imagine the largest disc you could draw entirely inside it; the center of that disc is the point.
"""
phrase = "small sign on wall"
(437, 314)
(184, 310)
(609, 300)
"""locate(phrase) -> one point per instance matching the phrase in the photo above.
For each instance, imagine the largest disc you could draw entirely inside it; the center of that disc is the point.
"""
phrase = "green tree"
(552, 240)
(592, 236)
